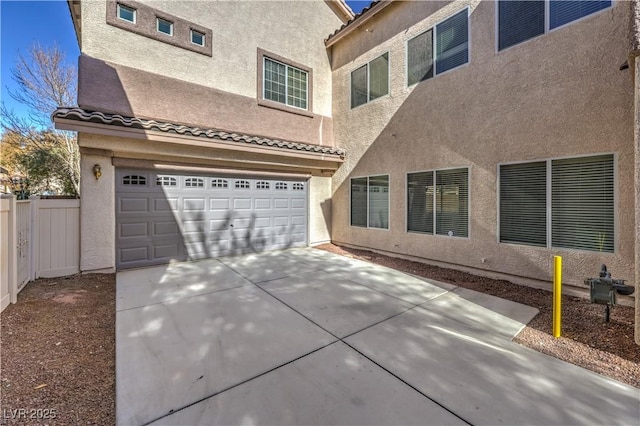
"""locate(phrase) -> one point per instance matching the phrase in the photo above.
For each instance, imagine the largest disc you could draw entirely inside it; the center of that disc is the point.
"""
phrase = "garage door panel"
(134, 254)
(134, 205)
(165, 204)
(193, 204)
(165, 229)
(138, 229)
(223, 204)
(161, 217)
(242, 203)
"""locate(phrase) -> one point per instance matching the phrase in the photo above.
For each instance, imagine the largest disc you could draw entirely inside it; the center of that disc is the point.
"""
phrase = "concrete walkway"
(306, 337)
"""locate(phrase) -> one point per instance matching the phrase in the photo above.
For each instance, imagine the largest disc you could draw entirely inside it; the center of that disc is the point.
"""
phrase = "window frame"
(434, 224)
(262, 54)
(367, 65)
(158, 21)
(388, 228)
(434, 29)
(204, 37)
(548, 199)
(547, 21)
(132, 9)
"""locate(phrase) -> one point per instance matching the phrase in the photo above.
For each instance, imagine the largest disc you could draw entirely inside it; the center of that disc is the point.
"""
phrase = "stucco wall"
(291, 29)
(319, 210)
(560, 94)
(97, 222)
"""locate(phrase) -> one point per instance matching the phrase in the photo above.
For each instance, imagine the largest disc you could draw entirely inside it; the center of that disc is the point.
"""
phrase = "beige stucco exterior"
(239, 27)
(561, 94)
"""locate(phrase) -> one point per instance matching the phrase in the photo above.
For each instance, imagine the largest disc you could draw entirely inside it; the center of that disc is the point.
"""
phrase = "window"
(298, 187)
(285, 84)
(126, 13)
(194, 183)
(369, 202)
(197, 38)
(134, 180)
(164, 26)
(370, 81)
(420, 58)
(579, 208)
(281, 186)
(443, 206)
(219, 183)
(452, 42)
(166, 181)
(243, 184)
(519, 21)
(262, 184)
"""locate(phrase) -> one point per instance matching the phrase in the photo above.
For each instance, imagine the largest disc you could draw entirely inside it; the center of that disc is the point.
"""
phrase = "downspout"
(634, 66)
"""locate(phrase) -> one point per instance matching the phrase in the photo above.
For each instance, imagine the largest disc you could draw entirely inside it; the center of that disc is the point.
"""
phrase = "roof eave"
(341, 8)
(76, 17)
(357, 23)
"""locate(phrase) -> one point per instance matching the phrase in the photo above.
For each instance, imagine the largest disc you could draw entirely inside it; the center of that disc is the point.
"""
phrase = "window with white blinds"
(438, 202)
(523, 203)
(582, 205)
(579, 207)
(370, 202)
(452, 42)
(523, 20)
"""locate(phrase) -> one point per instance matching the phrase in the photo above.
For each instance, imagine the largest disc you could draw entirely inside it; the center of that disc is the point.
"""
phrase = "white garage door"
(162, 216)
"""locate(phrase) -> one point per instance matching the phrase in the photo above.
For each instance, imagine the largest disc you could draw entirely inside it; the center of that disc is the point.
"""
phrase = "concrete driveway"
(306, 337)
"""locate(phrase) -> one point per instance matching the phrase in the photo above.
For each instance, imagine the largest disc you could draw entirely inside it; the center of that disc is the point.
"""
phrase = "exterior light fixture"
(97, 171)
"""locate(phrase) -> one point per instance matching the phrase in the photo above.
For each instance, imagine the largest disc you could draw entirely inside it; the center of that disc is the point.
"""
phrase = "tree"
(48, 157)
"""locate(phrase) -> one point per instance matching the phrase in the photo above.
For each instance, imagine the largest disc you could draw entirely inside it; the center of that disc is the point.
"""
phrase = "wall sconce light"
(97, 171)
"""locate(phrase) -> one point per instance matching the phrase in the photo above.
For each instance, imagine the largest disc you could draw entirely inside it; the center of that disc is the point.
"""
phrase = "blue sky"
(46, 22)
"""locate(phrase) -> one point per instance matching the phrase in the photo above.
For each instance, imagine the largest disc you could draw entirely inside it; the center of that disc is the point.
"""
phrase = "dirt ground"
(57, 344)
(587, 341)
(57, 353)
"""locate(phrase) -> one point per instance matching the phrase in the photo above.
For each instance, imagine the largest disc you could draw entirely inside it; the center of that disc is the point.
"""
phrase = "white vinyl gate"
(163, 216)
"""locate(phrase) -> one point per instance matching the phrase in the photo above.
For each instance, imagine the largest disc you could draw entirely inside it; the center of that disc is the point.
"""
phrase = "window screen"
(582, 203)
(359, 87)
(359, 202)
(523, 203)
(420, 202)
(379, 202)
(452, 42)
(519, 21)
(379, 77)
(452, 202)
(420, 58)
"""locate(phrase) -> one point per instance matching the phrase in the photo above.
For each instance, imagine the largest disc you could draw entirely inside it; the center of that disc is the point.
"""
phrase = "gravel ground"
(57, 352)
(587, 341)
(57, 344)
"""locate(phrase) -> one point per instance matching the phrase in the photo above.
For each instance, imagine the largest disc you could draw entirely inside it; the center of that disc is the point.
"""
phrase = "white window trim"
(286, 86)
(547, 21)
(191, 32)
(135, 14)
(368, 91)
(434, 234)
(549, 162)
(158, 19)
(388, 228)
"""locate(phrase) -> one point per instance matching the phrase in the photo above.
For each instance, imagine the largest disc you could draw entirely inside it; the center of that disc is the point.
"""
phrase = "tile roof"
(80, 114)
(362, 13)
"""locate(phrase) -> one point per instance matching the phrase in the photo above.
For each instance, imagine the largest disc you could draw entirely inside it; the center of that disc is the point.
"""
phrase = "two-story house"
(486, 136)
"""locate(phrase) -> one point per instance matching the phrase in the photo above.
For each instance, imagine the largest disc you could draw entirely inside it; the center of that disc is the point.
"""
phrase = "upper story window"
(197, 38)
(370, 81)
(285, 84)
(163, 26)
(126, 13)
(519, 21)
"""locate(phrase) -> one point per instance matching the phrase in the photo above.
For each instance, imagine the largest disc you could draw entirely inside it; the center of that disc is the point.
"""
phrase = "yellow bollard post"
(557, 295)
